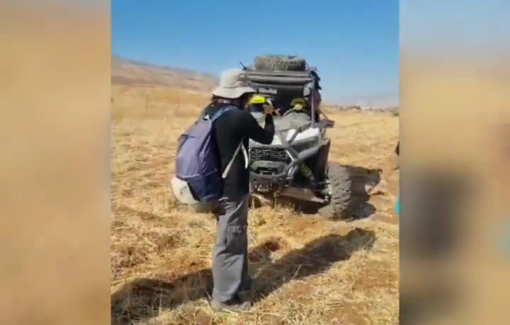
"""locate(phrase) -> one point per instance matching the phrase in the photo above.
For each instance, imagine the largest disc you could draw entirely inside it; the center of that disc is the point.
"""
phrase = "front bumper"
(282, 171)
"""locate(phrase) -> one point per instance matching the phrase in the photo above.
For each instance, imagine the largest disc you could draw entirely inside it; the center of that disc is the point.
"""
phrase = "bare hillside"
(132, 73)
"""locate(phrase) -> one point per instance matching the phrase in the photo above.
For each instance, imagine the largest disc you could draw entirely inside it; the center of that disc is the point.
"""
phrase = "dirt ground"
(308, 270)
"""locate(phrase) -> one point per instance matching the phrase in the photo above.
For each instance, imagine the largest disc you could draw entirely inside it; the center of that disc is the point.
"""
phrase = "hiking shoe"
(233, 305)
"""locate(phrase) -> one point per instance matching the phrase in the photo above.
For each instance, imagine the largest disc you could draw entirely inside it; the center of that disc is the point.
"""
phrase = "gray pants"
(230, 254)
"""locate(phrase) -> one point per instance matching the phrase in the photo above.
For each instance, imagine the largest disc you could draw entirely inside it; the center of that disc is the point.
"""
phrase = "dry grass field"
(308, 270)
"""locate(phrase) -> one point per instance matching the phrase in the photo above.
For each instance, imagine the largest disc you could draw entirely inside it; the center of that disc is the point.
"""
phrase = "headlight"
(303, 145)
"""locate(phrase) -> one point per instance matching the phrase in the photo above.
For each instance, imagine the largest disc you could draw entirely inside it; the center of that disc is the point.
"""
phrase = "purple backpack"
(198, 161)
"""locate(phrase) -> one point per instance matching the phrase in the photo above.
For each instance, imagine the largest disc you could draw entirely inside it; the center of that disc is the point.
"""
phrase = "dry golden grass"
(308, 270)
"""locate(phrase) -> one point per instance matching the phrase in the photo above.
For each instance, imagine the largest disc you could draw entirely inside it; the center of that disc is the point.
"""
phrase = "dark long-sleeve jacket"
(230, 129)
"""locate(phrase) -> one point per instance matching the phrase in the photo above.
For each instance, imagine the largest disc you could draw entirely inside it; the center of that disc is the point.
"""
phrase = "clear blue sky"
(354, 43)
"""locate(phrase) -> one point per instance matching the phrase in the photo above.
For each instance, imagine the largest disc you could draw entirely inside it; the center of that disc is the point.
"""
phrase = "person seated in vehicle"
(301, 105)
(257, 102)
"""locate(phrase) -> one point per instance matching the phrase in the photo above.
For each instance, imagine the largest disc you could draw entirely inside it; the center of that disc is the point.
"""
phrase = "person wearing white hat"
(233, 85)
(232, 132)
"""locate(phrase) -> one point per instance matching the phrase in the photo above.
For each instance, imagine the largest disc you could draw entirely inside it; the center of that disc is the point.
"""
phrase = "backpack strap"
(231, 162)
(220, 112)
(240, 147)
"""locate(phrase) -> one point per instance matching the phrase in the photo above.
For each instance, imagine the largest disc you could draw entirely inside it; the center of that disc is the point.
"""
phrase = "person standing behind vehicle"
(232, 132)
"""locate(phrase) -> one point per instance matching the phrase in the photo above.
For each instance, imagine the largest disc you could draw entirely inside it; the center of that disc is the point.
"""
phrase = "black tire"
(340, 205)
(280, 63)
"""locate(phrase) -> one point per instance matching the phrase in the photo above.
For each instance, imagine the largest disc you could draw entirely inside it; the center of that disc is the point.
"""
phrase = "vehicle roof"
(271, 81)
(301, 78)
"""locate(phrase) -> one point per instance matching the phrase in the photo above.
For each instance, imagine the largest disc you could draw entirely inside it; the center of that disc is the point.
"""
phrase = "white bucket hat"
(233, 84)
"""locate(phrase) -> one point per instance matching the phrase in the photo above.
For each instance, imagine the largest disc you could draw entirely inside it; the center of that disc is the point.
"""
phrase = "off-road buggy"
(296, 163)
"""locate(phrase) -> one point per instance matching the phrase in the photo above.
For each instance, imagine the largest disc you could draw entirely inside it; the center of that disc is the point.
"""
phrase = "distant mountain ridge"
(128, 72)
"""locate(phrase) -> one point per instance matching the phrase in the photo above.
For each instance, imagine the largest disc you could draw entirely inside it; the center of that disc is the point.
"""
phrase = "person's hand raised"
(268, 107)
